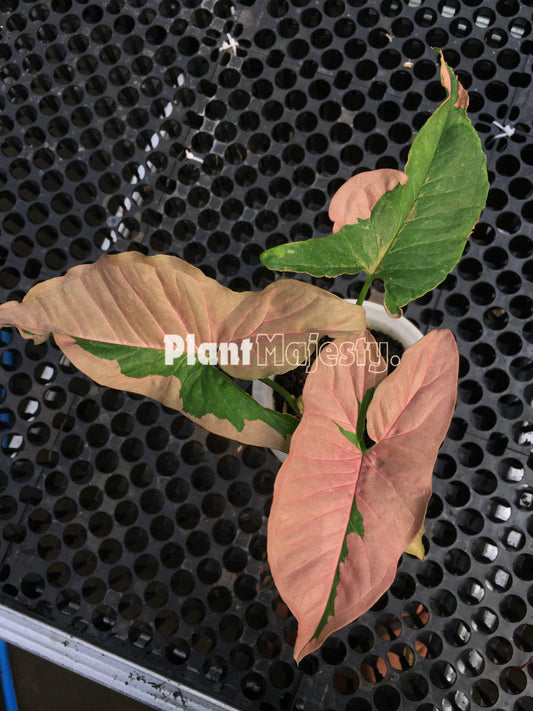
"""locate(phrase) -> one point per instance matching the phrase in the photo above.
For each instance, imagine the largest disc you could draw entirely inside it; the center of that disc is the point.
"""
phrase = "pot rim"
(400, 328)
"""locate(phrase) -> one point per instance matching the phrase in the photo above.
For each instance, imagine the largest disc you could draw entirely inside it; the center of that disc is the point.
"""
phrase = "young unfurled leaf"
(417, 231)
(324, 569)
(129, 302)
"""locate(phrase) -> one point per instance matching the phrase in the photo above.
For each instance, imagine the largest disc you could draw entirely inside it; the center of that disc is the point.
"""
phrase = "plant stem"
(364, 290)
(285, 394)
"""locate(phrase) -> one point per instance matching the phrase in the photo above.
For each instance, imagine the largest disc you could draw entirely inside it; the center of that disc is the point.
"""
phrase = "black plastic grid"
(130, 126)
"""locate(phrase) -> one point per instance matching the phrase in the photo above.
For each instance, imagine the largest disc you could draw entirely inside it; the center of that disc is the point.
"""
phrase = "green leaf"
(137, 301)
(355, 525)
(417, 231)
(351, 437)
(357, 437)
(355, 520)
(203, 388)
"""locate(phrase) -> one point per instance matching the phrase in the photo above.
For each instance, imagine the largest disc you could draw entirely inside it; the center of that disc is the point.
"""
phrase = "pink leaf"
(355, 199)
(132, 301)
(390, 484)
(135, 300)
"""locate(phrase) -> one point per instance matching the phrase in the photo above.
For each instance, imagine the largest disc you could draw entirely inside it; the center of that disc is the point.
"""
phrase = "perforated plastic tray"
(211, 130)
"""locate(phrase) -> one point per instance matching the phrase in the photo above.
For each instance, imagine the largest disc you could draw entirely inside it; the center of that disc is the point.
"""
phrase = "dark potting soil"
(293, 381)
(391, 349)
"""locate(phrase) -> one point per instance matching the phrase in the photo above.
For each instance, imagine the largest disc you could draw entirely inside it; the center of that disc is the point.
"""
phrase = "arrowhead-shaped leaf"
(342, 517)
(417, 231)
(110, 319)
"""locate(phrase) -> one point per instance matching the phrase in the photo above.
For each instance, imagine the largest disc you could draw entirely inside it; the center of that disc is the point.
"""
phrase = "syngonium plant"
(351, 496)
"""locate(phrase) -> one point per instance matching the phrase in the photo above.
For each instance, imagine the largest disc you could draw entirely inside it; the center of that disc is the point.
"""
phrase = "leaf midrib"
(362, 409)
(421, 184)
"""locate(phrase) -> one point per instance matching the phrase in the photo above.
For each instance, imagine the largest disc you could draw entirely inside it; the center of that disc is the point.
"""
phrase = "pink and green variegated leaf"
(110, 319)
(417, 229)
(343, 513)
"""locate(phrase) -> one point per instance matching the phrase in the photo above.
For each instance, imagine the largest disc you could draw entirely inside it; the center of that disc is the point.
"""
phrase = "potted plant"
(352, 493)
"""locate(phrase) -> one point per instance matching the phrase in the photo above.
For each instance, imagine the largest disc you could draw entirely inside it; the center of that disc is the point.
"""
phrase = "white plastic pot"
(399, 328)
(377, 318)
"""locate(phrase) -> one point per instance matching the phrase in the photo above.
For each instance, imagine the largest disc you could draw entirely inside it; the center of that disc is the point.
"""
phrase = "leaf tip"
(416, 547)
(446, 74)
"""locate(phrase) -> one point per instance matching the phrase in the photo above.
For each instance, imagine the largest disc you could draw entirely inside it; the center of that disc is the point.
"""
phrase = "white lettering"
(271, 350)
(346, 352)
(331, 355)
(274, 352)
(360, 352)
(228, 352)
(174, 348)
(294, 354)
(207, 353)
(191, 349)
(246, 348)
(395, 360)
(376, 363)
(312, 344)
(314, 365)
